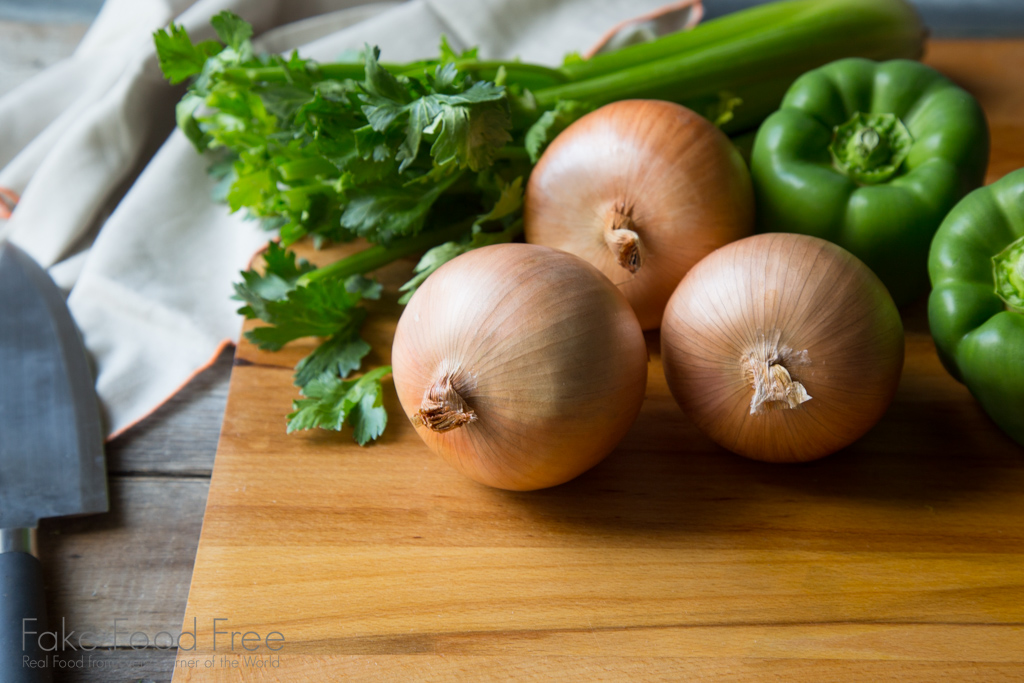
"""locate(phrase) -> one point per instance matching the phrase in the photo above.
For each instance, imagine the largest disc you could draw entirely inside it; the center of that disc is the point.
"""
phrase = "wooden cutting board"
(900, 557)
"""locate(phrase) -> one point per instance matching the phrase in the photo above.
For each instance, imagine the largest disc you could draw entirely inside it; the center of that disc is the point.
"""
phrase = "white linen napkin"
(148, 258)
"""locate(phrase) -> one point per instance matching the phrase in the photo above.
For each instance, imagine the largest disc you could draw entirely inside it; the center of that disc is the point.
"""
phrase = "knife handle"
(22, 600)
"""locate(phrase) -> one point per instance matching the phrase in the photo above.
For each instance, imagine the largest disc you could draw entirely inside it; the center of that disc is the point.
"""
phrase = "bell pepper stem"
(1008, 274)
(870, 148)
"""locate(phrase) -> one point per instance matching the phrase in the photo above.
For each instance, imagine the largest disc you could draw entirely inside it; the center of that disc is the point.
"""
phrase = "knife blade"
(51, 447)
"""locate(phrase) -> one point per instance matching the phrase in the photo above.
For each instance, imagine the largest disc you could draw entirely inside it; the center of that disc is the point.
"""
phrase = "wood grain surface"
(133, 564)
(900, 557)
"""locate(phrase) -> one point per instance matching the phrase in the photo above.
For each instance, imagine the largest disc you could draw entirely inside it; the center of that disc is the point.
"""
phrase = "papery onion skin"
(831, 322)
(654, 167)
(536, 355)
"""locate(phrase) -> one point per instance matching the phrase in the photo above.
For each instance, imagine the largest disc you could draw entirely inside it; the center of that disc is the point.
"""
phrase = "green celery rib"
(277, 74)
(727, 27)
(311, 167)
(842, 15)
(375, 257)
(528, 75)
(812, 33)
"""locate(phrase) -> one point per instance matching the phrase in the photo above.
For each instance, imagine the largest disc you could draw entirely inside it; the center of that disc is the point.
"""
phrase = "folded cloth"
(147, 257)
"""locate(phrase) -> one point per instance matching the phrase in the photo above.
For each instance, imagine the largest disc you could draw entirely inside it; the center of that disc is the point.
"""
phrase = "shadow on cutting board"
(934, 460)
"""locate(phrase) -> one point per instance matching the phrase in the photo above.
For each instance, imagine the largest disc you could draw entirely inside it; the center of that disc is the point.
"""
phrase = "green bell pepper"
(871, 156)
(976, 308)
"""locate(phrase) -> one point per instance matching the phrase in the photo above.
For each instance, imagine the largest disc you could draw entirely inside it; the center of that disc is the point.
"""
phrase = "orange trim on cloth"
(195, 373)
(225, 343)
(696, 15)
(8, 200)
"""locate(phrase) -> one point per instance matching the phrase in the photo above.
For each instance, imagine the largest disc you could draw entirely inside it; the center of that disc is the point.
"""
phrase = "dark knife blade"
(51, 441)
(51, 449)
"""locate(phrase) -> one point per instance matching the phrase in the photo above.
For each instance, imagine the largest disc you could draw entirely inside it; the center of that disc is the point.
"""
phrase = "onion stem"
(622, 239)
(443, 409)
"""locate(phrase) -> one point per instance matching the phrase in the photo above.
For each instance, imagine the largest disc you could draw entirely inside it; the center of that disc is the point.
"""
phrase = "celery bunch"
(433, 155)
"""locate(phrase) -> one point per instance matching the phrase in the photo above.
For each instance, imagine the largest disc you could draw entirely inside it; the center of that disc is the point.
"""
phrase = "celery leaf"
(507, 205)
(551, 123)
(232, 30)
(179, 58)
(329, 402)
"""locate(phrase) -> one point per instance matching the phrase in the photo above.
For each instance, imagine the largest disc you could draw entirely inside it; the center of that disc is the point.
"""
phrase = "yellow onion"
(782, 347)
(521, 366)
(642, 189)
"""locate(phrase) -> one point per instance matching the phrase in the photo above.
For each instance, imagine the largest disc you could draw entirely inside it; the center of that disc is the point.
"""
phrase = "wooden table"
(133, 565)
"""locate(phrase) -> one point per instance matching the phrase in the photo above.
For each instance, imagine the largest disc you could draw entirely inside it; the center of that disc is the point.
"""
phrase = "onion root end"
(774, 387)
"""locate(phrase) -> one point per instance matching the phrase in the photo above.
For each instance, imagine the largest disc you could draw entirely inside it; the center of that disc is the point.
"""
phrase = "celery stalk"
(754, 55)
(843, 17)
